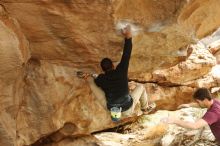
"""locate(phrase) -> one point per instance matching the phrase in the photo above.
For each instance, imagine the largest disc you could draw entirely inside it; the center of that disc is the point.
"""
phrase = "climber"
(114, 83)
(203, 99)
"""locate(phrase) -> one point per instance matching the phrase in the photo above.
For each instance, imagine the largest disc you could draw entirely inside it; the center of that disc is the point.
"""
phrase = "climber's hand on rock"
(126, 32)
(94, 75)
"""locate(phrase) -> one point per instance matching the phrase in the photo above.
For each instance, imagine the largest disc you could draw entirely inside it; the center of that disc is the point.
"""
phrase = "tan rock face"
(60, 102)
(201, 15)
(14, 53)
(61, 30)
(198, 64)
(43, 43)
(168, 98)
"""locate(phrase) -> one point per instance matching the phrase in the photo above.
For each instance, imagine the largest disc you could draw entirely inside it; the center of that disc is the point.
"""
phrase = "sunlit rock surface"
(198, 64)
(169, 97)
(14, 53)
(43, 43)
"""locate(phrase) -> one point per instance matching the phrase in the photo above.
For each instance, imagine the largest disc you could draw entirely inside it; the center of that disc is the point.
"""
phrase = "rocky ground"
(150, 131)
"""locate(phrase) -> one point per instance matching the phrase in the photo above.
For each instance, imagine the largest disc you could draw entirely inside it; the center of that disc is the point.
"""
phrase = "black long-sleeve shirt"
(115, 82)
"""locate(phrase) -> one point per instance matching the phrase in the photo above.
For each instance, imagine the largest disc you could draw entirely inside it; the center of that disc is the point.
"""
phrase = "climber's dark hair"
(202, 93)
(106, 64)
